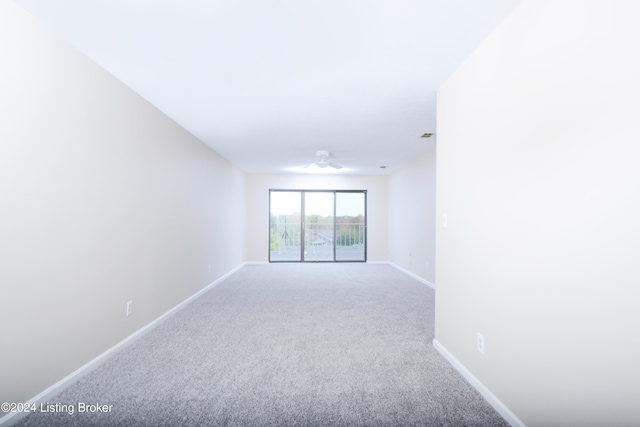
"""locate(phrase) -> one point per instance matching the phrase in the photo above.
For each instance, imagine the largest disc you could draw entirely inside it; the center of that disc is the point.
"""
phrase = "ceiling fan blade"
(323, 161)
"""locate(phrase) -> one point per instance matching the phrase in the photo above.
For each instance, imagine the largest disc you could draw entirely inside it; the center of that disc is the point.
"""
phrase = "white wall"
(538, 172)
(103, 200)
(412, 238)
(258, 187)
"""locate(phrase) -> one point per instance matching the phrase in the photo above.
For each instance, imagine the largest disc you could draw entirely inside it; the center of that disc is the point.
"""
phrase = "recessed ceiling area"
(267, 84)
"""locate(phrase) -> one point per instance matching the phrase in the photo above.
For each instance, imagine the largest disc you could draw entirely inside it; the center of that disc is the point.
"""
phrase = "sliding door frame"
(303, 225)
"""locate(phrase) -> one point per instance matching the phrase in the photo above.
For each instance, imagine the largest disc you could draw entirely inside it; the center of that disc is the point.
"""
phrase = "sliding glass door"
(350, 226)
(285, 240)
(317, 225)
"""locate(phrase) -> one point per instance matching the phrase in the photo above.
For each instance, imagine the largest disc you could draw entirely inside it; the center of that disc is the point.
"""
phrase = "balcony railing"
(319, 241)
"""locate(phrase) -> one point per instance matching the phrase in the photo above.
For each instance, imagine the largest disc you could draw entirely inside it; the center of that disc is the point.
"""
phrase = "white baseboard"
(45, 396)
(415, 276)
(497, 404)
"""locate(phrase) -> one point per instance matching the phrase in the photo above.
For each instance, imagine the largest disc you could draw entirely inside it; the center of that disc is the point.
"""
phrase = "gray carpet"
(286, 345)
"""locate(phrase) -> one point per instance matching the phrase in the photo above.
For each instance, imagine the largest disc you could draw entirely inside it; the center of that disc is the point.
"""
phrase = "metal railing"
(317, 234)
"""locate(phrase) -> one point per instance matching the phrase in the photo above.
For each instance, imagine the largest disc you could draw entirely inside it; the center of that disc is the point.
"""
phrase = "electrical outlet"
(209, 268)
(129, 308)
(445, 220)
(480, 343)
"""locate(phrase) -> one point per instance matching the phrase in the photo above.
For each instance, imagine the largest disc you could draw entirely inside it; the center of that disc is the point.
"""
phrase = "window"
(309, 225)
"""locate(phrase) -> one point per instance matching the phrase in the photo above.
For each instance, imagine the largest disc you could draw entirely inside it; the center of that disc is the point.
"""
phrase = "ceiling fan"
(323, 160)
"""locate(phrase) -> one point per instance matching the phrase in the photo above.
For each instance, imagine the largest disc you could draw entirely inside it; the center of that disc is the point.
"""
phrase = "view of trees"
(350, 230)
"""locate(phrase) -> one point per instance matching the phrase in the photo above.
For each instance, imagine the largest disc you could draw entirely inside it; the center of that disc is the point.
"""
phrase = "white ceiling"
(267, 83)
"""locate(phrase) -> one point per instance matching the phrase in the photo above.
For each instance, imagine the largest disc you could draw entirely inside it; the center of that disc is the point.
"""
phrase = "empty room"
(343, 214)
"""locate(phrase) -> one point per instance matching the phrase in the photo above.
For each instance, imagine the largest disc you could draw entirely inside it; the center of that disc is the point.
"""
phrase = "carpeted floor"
(286, 345)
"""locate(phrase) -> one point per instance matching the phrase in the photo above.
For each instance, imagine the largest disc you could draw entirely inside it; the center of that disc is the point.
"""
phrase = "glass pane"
(350, 226)
(284, 226)
(318, 236)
